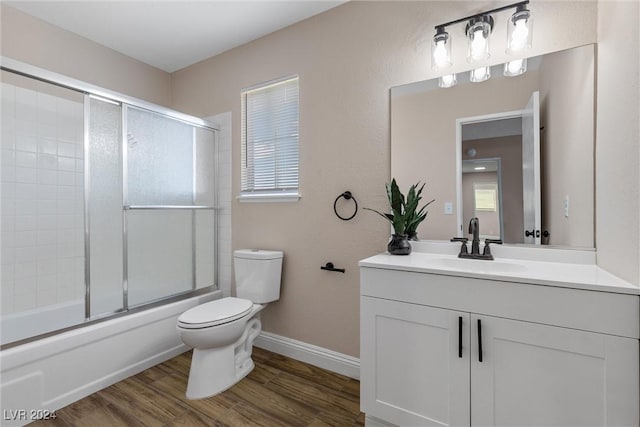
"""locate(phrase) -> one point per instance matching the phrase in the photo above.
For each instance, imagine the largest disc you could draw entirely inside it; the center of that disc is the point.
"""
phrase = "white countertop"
(560, 274)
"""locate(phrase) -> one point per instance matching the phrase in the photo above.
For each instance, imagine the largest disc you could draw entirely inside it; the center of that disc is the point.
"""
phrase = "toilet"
(221, 332)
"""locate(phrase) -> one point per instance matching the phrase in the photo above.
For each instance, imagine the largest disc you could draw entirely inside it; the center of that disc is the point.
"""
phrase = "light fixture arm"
(519, 6)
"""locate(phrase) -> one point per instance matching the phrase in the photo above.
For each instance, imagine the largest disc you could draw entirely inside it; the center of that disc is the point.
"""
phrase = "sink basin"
(480, 266)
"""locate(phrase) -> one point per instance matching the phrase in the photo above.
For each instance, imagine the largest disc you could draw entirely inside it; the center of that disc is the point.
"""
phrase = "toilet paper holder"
(330, 267)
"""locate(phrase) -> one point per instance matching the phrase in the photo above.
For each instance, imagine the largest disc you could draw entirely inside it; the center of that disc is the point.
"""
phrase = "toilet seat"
(214, 313)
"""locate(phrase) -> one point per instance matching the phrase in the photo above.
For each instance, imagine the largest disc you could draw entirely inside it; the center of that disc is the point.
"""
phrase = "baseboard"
(311, 354)
(370, 421)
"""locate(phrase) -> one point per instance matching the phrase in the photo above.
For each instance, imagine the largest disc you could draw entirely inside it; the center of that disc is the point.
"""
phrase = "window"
(485, 197)
(270, 142)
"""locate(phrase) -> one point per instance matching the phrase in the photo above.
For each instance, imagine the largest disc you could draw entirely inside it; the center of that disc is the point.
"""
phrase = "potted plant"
(404, 217)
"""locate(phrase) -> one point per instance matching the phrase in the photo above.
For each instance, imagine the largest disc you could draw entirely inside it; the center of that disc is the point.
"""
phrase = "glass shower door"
(169, 201)
(104, 207)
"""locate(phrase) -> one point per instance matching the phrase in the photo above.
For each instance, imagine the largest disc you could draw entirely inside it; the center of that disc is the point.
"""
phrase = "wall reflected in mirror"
(441, 135)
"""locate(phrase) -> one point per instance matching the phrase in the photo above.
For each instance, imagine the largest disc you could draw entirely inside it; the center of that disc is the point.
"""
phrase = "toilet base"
(215, 370)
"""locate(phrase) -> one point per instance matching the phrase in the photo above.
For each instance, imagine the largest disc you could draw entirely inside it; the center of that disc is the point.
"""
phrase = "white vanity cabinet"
(443, 350)
(541, 375)
(410, 372)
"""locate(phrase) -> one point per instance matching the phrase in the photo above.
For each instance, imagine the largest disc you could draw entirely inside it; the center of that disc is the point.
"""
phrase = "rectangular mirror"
(515, 152)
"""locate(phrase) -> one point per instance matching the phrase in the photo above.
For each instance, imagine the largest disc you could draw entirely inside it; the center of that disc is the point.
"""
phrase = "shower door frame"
(125, 101)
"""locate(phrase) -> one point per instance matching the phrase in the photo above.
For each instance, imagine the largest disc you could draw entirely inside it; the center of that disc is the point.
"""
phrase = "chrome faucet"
(474, 230)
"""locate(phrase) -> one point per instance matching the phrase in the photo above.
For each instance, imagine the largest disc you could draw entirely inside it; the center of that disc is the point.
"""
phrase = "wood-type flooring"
(279, 392)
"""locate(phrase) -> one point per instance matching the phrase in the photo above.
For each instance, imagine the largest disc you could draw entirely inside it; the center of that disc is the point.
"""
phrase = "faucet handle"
(459, 239)
(487, 250)
(463, 248)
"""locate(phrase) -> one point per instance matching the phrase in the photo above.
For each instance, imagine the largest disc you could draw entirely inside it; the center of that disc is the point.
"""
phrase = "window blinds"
(270, 138)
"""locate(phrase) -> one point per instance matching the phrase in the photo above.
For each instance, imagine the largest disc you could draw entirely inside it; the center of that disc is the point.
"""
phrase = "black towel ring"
(347, 196)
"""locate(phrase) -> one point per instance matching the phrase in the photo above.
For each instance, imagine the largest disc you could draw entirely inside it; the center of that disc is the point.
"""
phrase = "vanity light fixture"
(448, 80)
(478, 31)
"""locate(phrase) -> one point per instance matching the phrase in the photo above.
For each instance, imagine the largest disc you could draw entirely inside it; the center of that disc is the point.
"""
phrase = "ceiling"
(171, 35)
(496, 128)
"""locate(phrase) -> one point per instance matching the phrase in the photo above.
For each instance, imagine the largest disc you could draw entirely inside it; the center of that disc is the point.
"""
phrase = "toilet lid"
(215, 312)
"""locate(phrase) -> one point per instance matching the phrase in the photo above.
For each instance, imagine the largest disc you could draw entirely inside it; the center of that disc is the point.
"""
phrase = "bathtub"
(53, 372)
(29, 323)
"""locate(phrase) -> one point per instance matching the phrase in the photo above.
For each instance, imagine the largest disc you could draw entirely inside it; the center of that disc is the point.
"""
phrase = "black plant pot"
(399, 245)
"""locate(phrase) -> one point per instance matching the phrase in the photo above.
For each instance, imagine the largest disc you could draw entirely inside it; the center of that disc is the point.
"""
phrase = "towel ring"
(347, 196)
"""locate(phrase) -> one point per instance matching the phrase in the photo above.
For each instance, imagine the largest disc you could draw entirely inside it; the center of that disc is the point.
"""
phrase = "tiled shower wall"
(42, 199)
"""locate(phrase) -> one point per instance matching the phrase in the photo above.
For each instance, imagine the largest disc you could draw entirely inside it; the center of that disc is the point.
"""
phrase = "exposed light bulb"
(480, 74)
(440, 54)
(519, 36)
(449, 78)
(478, 31)
(441, 50)
(448, 81)
(519, 31)
(515, 67)
(478, 45)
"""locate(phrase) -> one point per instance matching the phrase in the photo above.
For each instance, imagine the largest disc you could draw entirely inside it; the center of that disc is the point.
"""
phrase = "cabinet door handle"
(460, 336)
(479, 341)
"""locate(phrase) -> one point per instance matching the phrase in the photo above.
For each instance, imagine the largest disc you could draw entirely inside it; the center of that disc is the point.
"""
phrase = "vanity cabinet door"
(414, 363)
(538, 375)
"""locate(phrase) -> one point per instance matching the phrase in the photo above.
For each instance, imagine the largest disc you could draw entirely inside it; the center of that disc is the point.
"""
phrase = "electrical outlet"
(566, 206)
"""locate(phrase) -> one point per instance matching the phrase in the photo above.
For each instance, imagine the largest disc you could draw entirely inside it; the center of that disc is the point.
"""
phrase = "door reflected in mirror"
(534, 136)
(488, 142)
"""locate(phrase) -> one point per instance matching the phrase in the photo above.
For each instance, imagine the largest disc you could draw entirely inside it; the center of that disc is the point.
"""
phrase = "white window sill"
(268, 197)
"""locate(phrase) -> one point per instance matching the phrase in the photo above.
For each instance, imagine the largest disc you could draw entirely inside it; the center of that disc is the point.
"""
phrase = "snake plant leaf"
(396, 198)
(405, 215)
(387, 216)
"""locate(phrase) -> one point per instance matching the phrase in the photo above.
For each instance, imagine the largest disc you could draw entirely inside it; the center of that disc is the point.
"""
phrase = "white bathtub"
(51, 373)
(29, 323)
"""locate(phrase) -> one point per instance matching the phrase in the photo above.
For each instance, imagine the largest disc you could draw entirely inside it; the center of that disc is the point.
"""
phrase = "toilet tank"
(258, 273)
